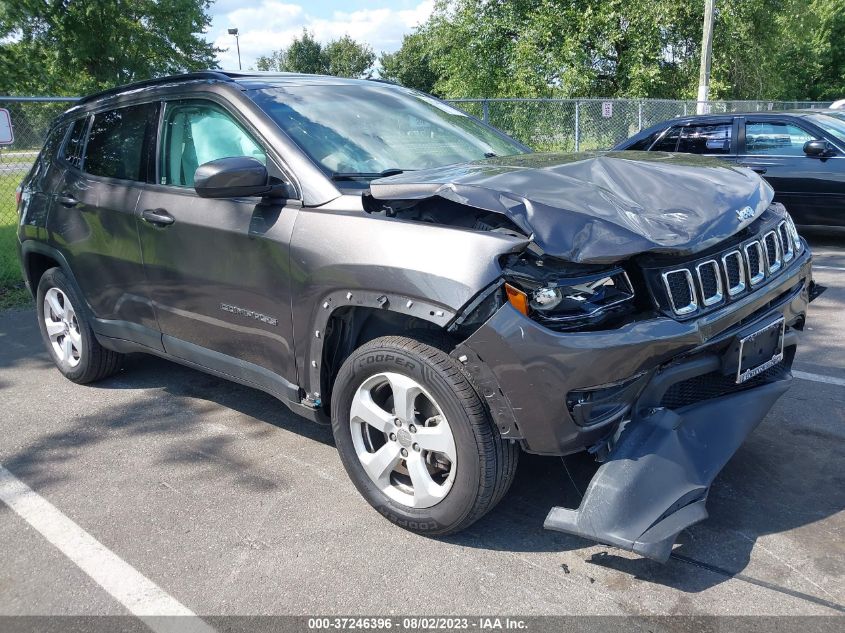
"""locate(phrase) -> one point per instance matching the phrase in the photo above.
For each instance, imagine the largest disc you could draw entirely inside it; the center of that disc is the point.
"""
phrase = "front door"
(217, 269)
(812, 189)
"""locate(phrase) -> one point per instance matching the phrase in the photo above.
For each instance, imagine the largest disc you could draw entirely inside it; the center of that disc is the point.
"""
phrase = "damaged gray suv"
(440, 295)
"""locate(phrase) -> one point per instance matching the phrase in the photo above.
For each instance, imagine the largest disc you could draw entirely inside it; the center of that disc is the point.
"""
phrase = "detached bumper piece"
(655, 481)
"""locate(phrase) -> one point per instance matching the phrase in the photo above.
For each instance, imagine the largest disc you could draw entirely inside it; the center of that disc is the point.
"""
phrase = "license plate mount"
(760, 350)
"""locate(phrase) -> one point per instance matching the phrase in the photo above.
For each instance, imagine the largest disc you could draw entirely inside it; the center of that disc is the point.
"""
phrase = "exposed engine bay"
(436, 210)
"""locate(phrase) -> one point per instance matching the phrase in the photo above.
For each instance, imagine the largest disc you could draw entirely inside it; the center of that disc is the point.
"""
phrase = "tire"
(69, 338)
(469, 476)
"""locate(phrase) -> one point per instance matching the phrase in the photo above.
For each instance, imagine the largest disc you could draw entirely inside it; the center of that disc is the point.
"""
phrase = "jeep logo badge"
(745, 213)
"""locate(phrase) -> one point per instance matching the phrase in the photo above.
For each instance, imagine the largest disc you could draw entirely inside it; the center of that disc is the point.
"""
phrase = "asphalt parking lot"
(230, 504)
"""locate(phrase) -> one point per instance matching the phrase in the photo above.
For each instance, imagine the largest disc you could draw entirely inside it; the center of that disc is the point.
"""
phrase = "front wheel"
(416, 439)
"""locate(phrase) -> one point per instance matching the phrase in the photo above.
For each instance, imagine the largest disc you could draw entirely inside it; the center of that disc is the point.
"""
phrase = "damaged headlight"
(568, 299)
(581, 297)
(793, 234)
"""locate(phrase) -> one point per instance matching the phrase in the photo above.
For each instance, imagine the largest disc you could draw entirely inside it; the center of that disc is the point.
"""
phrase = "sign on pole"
(607, 109)
(7, 137)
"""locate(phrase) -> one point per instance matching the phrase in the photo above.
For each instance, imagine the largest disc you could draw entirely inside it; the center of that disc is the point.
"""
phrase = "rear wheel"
(415, 438)
(66, 331)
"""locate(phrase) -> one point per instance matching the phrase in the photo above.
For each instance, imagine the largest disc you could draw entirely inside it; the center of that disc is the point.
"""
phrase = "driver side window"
(775, 138)
(196, 132)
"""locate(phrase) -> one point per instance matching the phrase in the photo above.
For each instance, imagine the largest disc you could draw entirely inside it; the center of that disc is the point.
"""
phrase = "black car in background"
(800, 153)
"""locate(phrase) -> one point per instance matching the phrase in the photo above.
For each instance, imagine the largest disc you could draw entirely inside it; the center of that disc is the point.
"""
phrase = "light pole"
(238, 44)
(706, 57)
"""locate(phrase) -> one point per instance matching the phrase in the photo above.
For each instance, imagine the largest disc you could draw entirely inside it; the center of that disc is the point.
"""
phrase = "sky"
(268, 25)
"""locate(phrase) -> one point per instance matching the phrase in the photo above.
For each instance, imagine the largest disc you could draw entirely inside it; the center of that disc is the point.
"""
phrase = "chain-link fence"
(30, 120)
(543, 124)
(586, 124)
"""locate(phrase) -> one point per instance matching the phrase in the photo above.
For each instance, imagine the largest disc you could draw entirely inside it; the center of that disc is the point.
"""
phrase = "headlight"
(567, 299)
(793, 233)
(546, 298)
(571, 299)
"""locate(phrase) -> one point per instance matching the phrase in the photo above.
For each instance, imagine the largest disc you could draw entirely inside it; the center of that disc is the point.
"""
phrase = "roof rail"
(194, 76)
(381, 80)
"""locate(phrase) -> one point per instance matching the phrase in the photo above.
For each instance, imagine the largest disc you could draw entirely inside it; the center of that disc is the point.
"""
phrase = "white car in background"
(838, 105)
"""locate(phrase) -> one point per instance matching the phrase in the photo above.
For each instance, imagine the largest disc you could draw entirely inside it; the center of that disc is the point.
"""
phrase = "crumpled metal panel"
(599, 207)
(655, 482)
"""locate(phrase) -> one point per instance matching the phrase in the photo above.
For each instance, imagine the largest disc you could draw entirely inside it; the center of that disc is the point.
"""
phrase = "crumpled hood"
(599, 207)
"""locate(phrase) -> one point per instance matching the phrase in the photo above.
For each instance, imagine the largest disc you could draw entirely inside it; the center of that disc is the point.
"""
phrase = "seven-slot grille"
(708, 283)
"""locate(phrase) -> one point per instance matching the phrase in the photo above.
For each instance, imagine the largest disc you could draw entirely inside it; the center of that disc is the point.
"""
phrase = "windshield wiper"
(394, 171)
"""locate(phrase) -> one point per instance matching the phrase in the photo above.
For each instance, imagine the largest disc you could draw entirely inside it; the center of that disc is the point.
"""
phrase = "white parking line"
(820, 267)
(830, 380)
(140, 595)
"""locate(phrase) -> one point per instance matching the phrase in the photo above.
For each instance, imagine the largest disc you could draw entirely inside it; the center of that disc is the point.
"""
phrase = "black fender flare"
(312, 346)
(30, 247)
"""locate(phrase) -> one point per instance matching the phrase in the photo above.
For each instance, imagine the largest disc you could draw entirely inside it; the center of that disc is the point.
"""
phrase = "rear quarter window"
(54, 140)
(75, 144)
(669, 142)
(644, 143)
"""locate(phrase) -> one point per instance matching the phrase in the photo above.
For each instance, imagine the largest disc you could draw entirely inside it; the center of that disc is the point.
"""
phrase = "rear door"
(811, 188)
(218, 269)
(92, 221)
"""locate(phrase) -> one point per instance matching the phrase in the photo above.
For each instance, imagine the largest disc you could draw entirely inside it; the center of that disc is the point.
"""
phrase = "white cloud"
(272, 24)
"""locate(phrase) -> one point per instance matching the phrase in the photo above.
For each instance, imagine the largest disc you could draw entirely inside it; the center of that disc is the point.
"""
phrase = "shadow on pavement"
(787, 477)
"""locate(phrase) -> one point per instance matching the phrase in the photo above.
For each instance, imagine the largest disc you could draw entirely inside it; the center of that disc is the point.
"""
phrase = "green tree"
(829, 47)
(304, 55)
(343, 57)
(410, 65)
(772, 49)
(811, 51)
(347, 58)
(73, 47)
(536, 48)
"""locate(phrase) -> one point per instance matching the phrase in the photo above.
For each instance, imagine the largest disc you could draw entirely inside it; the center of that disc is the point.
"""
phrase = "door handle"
(157, 217)
(67, 201)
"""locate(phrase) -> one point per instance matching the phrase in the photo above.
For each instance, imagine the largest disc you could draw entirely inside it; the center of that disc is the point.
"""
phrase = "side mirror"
(235, 177)
(819, 149)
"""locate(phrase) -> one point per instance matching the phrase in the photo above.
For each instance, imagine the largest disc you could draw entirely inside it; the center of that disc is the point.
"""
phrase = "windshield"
(363, 130)
(833, 124)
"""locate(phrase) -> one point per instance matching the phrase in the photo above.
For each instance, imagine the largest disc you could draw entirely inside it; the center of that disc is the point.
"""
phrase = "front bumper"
(525, 371)
(685, 421)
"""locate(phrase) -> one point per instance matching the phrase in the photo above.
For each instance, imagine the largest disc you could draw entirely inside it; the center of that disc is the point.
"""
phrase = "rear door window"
(775, 138)
(116, 145)
(710, 138)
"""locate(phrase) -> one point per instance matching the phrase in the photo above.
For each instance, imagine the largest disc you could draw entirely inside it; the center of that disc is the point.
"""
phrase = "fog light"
(606, 403)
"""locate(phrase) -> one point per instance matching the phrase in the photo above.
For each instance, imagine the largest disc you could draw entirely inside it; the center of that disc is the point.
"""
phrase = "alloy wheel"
(403, 440)
(62, 327)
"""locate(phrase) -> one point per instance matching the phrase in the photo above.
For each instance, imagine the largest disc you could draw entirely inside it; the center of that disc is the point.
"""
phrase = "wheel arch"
(37, 258)
(348, 319)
